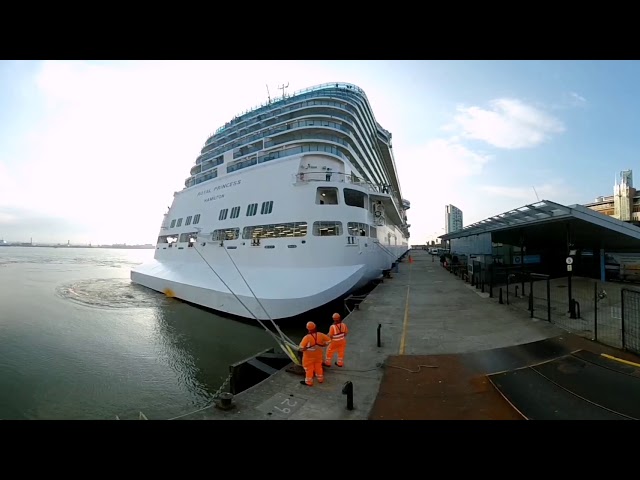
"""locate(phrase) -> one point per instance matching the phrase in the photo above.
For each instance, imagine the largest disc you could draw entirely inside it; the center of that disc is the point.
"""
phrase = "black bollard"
(347, 389)
(572, 308)
(516, 291)
(225, 401)
(379, 327)
(500, 297)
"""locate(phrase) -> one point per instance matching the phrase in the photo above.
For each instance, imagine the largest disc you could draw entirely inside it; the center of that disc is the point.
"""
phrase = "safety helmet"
(311, 326)
(336, 317)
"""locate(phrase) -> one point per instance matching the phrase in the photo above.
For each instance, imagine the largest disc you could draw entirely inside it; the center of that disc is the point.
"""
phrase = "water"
(78, 340)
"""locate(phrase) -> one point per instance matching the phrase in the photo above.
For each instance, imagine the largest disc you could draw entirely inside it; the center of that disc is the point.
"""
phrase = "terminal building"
(543, 235)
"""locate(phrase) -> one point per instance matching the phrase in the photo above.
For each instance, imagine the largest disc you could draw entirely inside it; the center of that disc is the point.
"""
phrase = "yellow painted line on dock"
(406, 314)
(611, 357)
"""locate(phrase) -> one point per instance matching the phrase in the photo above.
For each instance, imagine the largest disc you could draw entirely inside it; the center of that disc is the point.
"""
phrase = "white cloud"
(577, 100)
(509, 124)
(446, 156)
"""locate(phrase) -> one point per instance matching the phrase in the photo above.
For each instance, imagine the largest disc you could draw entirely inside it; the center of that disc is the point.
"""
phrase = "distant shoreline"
(119, 247)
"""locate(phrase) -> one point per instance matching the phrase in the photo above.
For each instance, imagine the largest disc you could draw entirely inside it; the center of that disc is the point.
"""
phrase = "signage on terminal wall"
(528, 259)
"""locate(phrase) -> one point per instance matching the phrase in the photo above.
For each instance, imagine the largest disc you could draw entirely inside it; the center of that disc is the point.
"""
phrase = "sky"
(92, 151)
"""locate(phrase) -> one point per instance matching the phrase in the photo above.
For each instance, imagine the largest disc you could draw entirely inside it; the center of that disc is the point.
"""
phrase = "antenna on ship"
(268, 94)
(534, 191)
(283, 87)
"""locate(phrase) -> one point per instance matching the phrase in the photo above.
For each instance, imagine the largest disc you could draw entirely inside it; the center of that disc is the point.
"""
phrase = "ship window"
(188, 237)
(196, 219)
(252, 209)
(173, 223)
(373, 232)
(179, 222)
(188, 220)
(355, 198)
(327, 196)
(235, 212)
(327, 228)
(291, 229)
(357, 229)
(223, 214)
(225, 234)
(267, 207)
(168, 239)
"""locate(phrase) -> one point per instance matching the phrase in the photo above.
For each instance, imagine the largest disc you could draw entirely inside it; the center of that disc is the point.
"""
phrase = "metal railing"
(339, 85)
(630, 319)
(584, 307)
(320, 175)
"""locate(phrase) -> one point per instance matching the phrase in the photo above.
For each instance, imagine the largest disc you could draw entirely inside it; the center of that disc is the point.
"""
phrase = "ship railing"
(343, 85)
(323, 175)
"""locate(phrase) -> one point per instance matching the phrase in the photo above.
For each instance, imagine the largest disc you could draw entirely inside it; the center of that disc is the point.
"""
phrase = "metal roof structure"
(589, 225)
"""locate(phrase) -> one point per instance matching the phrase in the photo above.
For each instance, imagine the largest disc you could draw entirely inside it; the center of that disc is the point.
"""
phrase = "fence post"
(595, 311)
(500, 297)
(548, 299)
(491, 281)
(531, 298)
(507, 288)
(622, 316)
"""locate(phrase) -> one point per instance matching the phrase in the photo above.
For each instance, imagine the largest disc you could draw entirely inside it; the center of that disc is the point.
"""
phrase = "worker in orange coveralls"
(337, 333)
(312, 353)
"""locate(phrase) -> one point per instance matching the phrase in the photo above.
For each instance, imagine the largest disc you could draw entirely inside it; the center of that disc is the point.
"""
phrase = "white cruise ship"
(289, 206)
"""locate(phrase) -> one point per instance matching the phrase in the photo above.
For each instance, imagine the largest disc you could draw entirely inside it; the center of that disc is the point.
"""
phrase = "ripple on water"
(111, 293)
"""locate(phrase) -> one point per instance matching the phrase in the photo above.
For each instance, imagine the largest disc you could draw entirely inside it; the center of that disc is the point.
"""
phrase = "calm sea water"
(78, 340)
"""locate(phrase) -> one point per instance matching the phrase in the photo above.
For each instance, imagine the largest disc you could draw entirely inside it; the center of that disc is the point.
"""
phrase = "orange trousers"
(339, 347)
(312, 364)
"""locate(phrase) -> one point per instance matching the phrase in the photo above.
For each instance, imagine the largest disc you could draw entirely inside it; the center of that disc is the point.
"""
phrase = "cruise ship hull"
(327, 284)
(286, 223)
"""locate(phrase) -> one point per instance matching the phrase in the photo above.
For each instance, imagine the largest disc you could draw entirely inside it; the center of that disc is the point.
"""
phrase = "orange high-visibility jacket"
(312, 344)
(338, 331)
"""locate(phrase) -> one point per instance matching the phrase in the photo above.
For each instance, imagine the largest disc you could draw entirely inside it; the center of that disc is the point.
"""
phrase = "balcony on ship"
(324, 175)
(392, 211)
(382, 193)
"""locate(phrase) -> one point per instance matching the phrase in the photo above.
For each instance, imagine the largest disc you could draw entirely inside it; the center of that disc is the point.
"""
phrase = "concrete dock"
(427, 317)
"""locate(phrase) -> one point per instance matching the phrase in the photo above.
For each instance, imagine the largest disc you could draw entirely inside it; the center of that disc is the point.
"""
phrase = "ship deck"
(447, 352)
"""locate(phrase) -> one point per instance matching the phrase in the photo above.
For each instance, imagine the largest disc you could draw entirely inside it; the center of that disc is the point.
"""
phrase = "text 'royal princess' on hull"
(288, 207)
